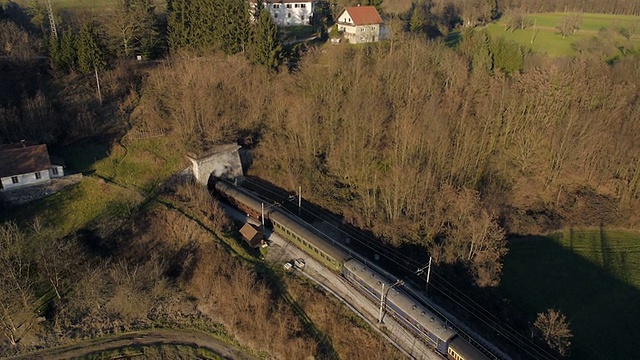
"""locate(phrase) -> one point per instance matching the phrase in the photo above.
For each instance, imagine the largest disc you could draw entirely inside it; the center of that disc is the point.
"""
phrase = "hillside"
(432, 151)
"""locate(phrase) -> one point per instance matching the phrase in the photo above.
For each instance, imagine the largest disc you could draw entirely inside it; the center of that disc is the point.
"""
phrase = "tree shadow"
(402, 261)
(542, 273)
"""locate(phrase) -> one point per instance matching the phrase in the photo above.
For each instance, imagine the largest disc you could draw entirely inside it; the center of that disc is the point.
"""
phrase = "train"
(412, 315)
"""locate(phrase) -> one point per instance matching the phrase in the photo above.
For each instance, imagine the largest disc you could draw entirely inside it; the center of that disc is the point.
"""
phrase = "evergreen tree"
(192, 24)
(507, 55)
(233, 26)
(68, 53)
(178, 24)
(38, 14)
(53, 48)
(257, 10)
(90, 54)
(266, 48)
(417, 21)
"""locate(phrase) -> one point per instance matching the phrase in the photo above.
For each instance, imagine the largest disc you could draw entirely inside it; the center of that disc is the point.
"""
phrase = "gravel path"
(153, 337)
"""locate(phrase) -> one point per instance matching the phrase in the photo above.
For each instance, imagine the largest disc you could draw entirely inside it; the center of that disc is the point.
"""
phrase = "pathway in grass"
(591, 276)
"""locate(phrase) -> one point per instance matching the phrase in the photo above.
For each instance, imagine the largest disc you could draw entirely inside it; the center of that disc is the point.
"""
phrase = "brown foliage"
(245, 305)
(381, 136)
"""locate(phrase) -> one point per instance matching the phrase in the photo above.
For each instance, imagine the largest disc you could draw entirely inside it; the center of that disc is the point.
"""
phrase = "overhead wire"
(518, 338)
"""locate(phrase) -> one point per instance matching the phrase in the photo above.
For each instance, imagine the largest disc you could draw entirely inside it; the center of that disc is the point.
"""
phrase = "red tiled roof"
(24, 160)
(364, 15)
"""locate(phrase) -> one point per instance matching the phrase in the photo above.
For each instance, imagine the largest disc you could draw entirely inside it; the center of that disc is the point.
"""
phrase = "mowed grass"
(590, 22)
(547, 40)
(592, 276)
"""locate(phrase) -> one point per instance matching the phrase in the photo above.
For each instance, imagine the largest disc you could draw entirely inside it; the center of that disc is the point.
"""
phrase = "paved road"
(154, 337)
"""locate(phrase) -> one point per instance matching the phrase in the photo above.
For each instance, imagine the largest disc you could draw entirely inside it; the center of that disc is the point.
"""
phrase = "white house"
(288, 12)
(361, 24)
(22, 165)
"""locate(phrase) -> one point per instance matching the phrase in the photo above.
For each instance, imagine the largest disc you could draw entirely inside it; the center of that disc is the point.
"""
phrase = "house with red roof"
(361, 24)
(25, 164)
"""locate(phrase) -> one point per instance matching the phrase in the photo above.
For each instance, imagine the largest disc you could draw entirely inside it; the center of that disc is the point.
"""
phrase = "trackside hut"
(361, 24)
(252, 235)
(22, 165)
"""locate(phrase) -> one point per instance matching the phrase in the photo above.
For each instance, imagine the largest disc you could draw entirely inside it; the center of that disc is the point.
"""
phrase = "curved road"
(137, 338)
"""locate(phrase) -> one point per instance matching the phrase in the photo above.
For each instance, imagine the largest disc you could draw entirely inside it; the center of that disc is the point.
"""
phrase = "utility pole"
(98, 83)
(262, 218)
(299, 200)
(381, 304)
(383, 298)
(533, 33)
(52, 20)
(421, 271)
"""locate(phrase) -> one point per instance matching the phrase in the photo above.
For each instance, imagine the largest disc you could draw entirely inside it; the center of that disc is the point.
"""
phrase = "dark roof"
(24, 160)
(249, 231)
(364, 15)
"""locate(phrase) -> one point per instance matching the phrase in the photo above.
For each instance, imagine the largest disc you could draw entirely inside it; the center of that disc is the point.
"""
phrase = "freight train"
(421, 322)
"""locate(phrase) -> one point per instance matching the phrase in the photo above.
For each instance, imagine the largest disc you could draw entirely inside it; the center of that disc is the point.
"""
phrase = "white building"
(288, 12)
(361, 24)
(22, 165)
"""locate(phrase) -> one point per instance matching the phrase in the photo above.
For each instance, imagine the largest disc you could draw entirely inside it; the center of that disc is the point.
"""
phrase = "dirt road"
(152, 337)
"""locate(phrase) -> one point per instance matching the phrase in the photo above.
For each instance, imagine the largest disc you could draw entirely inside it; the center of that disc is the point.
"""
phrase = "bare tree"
(553, 328)
(569, 25)
(17, 315)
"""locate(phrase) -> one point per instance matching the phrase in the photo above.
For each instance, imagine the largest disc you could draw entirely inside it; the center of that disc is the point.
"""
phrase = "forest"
(446, 148)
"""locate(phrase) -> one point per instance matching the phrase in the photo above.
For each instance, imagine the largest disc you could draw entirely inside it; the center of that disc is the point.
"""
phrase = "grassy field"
(546, 40)
(116, 181)
(592, 276)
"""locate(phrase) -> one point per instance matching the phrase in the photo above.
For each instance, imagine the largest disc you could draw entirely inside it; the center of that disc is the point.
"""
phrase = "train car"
(304, 238)
(404, 309)
(460, 349)
(416, 318)
(240, 198)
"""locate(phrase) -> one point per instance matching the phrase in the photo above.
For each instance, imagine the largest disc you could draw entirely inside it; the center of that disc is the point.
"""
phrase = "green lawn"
(546, 40)
(590, 22)
(591, 276)
(140, 166)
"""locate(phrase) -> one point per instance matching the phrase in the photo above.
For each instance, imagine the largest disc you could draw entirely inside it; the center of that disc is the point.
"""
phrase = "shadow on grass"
(542, 273)
(82, 155)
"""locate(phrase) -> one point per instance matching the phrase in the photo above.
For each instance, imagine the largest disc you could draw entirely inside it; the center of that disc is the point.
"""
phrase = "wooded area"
(447, 148)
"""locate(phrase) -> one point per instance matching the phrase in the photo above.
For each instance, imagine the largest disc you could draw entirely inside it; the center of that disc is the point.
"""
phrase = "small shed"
(252, 235)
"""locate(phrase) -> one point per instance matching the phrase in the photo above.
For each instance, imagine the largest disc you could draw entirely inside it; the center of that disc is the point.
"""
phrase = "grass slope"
(546, 39)
(592, 276)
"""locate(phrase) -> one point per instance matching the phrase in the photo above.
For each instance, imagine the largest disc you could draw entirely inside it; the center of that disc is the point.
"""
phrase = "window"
(275, 15)
(276, 6)
(296, 6)
(14, 180)
(54, 171)
(38, 176)
(289, 15)
(303, 5)
(301, 17)
(288, 6)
